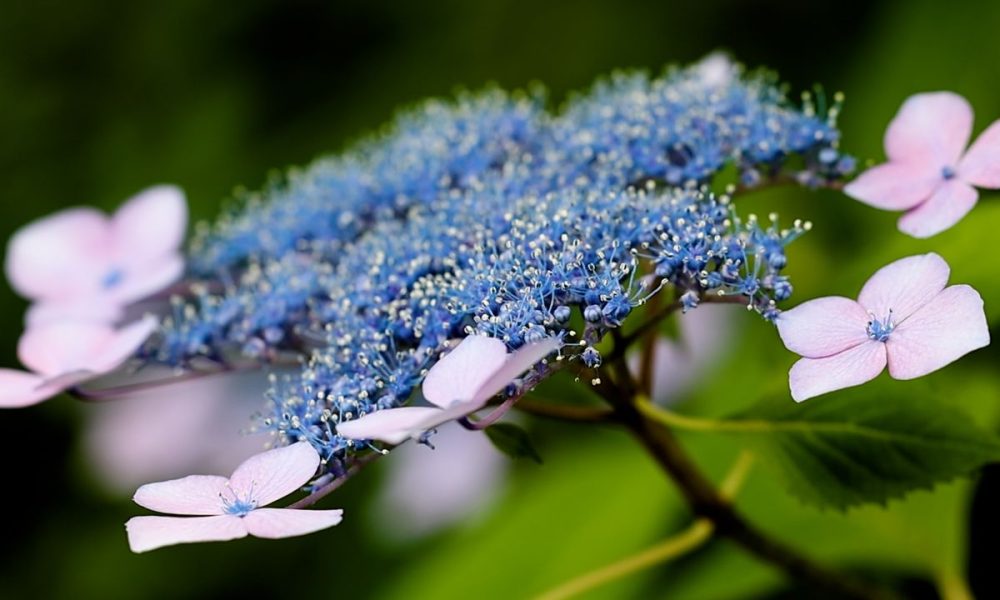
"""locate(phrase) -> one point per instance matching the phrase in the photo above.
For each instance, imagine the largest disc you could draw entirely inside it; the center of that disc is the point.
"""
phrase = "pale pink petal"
(930, 129)
(275, 523)
(59, 256)
(943, 330)
(66, 346)
(814, 376)
(276, 473)
(426, 489)
(517, 363)
(704, 334)
(949, 203)
(463, 371)
(57, 383)
(145, 281)
(904, 286)
(716, 70)
(61, 347)
(167, 431)
(191, 495)
(895, 186)
(823, 326)
(122, 345)
(150, 225)
(671, 367)
(95, 309)
(981, 164)
(20, 388)
(150, 533)
(391, 425)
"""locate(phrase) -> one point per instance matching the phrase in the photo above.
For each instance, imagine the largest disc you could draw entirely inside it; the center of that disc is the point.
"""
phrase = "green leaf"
(512, 441)
(849, 449)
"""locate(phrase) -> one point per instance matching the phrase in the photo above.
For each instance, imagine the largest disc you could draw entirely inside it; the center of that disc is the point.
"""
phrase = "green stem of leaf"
(952, 586)
(675, 546)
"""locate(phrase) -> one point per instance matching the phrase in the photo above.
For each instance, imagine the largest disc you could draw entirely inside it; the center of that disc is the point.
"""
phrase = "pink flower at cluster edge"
(929, 174)
(82, 269)
(221, 509)
(904, 317)
(80, 264)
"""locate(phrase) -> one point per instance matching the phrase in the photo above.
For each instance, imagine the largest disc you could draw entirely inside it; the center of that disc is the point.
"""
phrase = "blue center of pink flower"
(948, 172)
(112, 278)
(879, 330)
(236, 505)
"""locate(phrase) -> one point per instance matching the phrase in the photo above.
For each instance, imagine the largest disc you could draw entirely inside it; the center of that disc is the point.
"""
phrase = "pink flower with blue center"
(904, 317)
(80, 264)
(224, 509)
(457, 385)
(929, 173)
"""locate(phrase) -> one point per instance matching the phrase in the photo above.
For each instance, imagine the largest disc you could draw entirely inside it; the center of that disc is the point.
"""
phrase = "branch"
(783, 179)
(320, 493)
(566, 412)
(654, 319)
(707, 502)
(99, 394)
(495, 415)
(647, 353)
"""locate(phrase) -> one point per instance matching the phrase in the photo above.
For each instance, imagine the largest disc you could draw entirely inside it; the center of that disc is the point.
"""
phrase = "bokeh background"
(101, 98)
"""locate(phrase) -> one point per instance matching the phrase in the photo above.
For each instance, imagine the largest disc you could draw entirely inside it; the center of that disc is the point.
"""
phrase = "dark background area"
(99, 99)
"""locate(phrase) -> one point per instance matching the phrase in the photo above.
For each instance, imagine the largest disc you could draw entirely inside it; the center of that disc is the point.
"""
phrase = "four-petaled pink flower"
(228, 509)
(458, 385)
(81, 264)
(904, 316)
(927, 174)
(63, 354)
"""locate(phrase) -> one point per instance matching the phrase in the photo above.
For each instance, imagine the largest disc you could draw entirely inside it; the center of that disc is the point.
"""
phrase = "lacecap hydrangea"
(492, 215)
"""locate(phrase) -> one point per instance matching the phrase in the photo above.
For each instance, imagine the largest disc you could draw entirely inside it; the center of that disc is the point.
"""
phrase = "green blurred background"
(101, 98)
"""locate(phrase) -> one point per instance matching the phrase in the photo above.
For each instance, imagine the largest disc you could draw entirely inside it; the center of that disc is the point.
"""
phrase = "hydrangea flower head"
(80, 263)
(904, 317)
(227, 509)
(930, 174)
(487, 218)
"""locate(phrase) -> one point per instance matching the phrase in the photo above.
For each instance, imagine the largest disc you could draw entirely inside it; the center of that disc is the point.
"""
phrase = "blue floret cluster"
(490, 214)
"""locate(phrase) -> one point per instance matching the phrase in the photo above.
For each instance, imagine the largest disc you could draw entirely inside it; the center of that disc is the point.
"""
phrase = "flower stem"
(317, 495)
(696, 534)
(781, 180)
(709, 503)
(647, 353)
(492, 417)
(119, 391)
(952, 586)
(673, 547)
(656, 316)
(565, 412)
